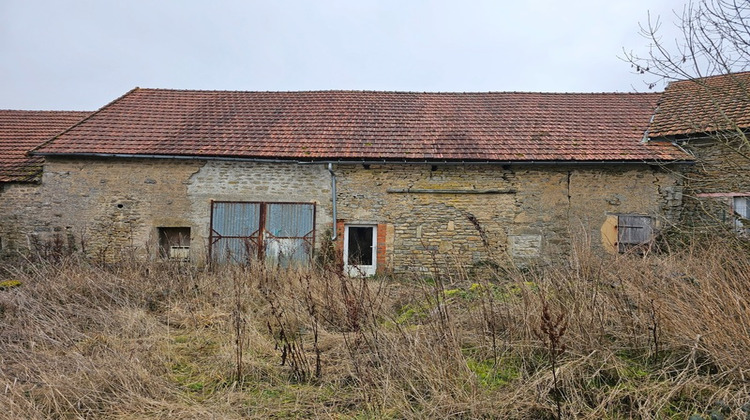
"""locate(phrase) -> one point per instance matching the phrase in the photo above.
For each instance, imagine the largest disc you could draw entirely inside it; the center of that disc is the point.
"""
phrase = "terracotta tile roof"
(21, 131)
(703, 105)
(357, 125)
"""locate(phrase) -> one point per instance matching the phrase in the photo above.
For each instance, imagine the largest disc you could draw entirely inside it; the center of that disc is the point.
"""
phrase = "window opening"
(741, 206)
(174, 243)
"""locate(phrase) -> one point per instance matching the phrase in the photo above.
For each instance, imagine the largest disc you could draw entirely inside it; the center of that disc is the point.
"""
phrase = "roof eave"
(342, 161)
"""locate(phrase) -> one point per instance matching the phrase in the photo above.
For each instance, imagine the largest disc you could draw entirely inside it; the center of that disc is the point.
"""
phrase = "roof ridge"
(394, 92)
(700, 79)
(67, 111)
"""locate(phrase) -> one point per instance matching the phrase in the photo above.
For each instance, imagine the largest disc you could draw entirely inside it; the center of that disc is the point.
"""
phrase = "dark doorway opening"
(360, 245)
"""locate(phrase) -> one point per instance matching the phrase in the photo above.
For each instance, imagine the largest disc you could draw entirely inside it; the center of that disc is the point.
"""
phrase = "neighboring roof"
(361, 125)
(704, 105)
(21, 131)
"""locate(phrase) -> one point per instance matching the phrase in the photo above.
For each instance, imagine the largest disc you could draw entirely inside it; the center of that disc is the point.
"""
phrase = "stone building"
(709, 118)
(20, 174)
(394, 182)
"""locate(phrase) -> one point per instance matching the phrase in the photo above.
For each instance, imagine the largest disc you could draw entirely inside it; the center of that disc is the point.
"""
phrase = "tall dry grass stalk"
(661, 336)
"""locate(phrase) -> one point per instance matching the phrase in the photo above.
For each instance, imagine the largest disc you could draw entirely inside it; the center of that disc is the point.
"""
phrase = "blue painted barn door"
(235, 231)
(279, 233)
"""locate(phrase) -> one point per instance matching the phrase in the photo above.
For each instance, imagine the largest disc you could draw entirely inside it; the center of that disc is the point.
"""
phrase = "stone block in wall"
(525, 246)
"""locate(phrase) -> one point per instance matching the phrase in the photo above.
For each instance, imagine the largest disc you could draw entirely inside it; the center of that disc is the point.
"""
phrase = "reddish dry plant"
(149, 340)
(551, 331)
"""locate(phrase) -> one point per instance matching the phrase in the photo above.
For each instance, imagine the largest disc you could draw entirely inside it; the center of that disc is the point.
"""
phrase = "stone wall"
(267, 182)
(427, 215)
(721, 171)
(113, 207)
(18, 203)
(469, 214)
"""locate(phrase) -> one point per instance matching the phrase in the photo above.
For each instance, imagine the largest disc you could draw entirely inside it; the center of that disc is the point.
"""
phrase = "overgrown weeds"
(661, 336)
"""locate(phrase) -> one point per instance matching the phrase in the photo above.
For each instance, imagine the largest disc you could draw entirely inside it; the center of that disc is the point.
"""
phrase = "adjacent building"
(710, 118)
(20, 173)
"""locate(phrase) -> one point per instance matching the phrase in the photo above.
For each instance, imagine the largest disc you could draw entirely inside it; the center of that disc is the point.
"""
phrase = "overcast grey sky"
(82, 54)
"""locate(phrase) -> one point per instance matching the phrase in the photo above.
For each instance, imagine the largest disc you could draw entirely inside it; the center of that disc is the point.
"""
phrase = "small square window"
(634, 232)
(174, 243)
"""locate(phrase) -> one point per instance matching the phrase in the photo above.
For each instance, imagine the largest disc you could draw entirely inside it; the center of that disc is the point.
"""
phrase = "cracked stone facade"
(429, 216)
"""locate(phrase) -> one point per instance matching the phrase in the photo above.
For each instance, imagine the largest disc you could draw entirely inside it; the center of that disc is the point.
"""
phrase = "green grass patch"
(191, 364)
(493, 375)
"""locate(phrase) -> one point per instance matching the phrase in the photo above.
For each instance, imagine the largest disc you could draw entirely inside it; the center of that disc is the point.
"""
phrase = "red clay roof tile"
(360, 125)
(21, 131)
(705, 105)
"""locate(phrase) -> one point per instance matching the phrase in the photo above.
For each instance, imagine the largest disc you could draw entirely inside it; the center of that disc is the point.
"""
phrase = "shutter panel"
(633, 230)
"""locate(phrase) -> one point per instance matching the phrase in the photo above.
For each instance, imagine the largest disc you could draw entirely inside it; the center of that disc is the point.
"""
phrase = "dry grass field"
(661, 336)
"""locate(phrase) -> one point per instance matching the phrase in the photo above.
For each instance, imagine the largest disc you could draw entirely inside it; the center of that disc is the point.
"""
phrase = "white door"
(360, 250)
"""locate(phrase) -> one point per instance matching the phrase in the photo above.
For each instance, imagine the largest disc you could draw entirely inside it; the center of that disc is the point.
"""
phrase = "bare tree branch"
(714, 38)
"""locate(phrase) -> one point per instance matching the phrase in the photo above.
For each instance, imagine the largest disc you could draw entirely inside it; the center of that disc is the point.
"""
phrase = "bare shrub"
(656, 336)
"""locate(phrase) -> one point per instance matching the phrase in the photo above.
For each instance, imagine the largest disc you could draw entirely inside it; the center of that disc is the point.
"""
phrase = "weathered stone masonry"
(720, 172)
(113, 206)
(426, 214)
(468, 213)
(21, 199)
